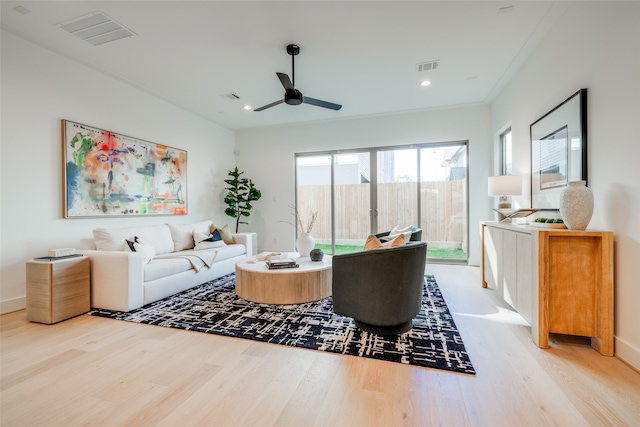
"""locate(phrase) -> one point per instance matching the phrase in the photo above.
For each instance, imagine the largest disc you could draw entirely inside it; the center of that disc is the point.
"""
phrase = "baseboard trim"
(627, 353)
(15, 304)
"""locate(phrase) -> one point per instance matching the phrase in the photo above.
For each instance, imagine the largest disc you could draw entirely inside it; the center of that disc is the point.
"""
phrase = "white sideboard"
(559, 280)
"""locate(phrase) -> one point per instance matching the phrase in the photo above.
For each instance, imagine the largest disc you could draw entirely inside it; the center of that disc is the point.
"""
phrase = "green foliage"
(549, 220)
(240, 193)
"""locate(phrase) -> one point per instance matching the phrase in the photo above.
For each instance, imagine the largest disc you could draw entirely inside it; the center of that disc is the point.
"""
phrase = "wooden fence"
(442, 206)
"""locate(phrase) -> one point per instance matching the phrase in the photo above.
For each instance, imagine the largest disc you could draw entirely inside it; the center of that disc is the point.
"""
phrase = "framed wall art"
(107, 174)
(558, 151)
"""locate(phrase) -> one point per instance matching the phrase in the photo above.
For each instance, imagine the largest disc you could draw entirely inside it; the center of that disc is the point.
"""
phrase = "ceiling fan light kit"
(293, 96)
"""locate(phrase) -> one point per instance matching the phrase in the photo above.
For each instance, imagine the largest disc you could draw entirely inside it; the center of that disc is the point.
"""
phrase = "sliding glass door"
(352, 201)
(363, 192)
(443, 201)
(396, 196)
(313, 194)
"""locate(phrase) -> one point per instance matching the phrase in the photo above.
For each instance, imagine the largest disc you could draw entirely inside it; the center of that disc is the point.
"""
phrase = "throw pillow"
(130, 244)
(373, 242)
(225, 232)
(397, 230)
(137, 245)
(214, 240)
(147, 251)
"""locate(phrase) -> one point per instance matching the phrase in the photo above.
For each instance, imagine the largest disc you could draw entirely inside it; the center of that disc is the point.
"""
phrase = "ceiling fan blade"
(286, 82)
(273, 104)
(319, 103)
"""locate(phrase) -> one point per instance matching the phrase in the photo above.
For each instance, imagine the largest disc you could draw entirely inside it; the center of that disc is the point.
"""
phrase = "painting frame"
(108, 174)
(558, 150)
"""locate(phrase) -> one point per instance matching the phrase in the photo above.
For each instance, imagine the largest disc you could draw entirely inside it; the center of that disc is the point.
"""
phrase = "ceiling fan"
(293, 96)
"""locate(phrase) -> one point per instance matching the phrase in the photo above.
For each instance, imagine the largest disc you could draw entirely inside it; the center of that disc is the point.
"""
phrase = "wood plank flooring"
(90, 371)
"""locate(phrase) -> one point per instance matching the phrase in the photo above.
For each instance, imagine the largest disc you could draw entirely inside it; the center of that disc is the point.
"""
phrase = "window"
(506, 153)
(361, 192)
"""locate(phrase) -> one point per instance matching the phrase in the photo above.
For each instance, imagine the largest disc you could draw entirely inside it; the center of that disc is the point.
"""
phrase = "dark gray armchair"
(380, 289)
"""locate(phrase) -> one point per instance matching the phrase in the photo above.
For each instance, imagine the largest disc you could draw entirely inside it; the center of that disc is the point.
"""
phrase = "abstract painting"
(108, 174)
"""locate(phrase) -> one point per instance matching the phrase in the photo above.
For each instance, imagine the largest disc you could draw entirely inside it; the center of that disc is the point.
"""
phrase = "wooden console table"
(559, 280)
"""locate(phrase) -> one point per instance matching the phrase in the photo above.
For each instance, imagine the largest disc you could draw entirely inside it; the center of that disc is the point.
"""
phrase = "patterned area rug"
(215, 308)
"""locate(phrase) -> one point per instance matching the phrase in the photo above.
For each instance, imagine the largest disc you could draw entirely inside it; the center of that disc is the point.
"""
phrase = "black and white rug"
(214, 308)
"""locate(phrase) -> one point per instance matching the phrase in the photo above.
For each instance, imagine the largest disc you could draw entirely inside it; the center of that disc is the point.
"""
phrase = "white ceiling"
(361, 54)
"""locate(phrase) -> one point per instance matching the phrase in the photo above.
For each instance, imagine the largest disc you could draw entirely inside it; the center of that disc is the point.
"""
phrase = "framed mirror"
(558, 151)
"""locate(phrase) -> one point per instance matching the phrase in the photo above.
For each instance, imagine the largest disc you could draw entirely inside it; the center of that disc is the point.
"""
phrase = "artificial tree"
(240, 193)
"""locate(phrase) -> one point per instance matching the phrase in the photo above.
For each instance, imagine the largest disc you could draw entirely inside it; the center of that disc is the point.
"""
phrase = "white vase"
(576, 205)
(304, 244)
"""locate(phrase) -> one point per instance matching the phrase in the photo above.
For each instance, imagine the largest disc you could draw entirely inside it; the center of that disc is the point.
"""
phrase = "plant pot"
(304, 244)
(576, 205)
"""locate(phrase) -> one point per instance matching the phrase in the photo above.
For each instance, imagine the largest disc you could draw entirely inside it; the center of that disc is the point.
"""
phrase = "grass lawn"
(439, 253)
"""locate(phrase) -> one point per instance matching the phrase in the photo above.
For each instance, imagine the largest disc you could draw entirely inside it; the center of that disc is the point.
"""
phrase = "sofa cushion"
(182, 234)
(165, 267)
(229, 251)
(373, 242)
(225, 232)
(204, 241)
(113, 239)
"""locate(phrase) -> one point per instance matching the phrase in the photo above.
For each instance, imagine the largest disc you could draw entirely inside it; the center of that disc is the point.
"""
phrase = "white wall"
(595, 45)
(267, 157)
(39, 88)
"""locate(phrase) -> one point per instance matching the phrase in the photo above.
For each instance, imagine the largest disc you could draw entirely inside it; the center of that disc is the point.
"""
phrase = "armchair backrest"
(380, 285)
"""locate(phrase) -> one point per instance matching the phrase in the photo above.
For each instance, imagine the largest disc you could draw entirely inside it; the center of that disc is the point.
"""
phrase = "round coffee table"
(311, 281)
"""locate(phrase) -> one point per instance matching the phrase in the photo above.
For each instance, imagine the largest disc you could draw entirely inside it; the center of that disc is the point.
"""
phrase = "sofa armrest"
(117, 279)
(246, 239)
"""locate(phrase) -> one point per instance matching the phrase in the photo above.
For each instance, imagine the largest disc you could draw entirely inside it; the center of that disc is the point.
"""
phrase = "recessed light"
(247, 107)
(425, 83)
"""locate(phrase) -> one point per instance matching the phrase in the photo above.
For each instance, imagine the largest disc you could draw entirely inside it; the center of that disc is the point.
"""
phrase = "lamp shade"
(505, 185)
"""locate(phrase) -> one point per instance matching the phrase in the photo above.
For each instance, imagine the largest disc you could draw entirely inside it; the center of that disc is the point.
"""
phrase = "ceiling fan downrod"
(293, 50)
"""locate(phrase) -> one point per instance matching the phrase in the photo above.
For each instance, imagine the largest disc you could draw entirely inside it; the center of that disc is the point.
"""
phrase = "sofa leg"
(385, 330)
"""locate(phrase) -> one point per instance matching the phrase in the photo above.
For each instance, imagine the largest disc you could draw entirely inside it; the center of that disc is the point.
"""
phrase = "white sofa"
(167, 264)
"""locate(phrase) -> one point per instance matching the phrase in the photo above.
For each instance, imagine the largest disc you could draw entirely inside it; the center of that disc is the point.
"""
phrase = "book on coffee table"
(273, 264)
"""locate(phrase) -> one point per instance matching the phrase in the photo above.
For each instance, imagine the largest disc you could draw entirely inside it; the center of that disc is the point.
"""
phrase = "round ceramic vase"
(316, 255)
(576, 205)
(304, 244)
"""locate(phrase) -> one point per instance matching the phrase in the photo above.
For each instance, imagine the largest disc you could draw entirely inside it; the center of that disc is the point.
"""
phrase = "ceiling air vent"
(230, 96)
(96, 28)
(427, 66)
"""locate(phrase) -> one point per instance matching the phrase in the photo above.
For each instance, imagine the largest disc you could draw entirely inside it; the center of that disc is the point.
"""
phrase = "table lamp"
(503, 186)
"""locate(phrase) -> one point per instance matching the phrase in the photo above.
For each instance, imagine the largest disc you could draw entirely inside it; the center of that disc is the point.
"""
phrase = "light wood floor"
(92, 371)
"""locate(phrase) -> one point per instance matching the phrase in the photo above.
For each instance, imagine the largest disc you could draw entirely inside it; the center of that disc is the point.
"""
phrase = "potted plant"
(240, 193)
